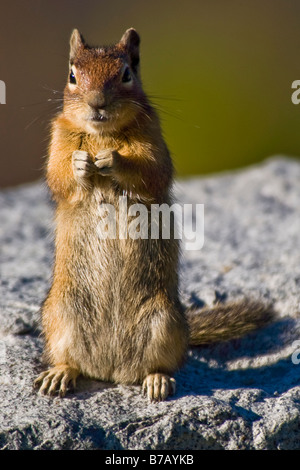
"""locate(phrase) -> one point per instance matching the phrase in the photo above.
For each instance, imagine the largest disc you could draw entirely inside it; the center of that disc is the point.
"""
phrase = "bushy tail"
(227, 321)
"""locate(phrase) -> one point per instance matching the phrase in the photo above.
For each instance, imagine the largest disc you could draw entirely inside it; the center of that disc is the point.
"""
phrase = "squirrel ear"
(131, 41)
(76, 43)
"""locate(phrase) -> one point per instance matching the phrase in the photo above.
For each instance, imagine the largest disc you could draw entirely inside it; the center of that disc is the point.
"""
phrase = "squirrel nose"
(96, 100)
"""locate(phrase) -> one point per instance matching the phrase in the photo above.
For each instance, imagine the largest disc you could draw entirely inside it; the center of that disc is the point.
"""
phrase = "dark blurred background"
(220, 73)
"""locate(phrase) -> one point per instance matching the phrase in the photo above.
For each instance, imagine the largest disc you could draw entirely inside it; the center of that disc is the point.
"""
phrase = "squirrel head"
(104, 93)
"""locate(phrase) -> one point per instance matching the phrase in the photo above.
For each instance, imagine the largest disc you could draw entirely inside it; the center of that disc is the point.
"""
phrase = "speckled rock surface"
(242, 394)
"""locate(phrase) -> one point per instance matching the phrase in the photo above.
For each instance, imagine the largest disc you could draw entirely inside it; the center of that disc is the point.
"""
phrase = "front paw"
(104, 161)
(83, 166)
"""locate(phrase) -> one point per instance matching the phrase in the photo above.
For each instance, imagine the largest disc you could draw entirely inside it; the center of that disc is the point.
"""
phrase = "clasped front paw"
(83, 165)
(104, 161)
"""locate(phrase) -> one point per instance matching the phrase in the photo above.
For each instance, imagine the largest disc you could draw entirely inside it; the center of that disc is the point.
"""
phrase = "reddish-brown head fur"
(104, 91)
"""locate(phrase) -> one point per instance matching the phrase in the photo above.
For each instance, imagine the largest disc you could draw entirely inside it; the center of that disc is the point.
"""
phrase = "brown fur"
(113, 312)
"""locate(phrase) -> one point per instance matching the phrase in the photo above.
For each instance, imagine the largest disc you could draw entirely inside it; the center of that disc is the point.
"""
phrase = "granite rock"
(240, 394)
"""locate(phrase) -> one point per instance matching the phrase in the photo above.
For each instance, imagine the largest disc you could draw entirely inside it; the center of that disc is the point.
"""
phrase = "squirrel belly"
(113, 312)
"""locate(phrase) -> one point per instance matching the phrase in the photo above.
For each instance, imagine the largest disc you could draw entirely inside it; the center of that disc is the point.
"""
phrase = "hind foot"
(55, 380)
(158, 386)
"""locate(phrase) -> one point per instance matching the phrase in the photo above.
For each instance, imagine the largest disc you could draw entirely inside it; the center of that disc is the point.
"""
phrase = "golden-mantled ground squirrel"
(113, 312)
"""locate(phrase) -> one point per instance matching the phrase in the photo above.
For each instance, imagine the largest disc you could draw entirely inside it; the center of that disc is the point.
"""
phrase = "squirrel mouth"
(99, 117)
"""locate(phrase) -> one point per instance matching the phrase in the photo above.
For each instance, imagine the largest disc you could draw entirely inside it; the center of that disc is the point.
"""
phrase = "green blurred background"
(220, 72)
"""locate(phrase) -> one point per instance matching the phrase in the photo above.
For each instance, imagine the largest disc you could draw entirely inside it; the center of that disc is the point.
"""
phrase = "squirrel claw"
(56, 380)
(104, 161)
(83, 166)
(157, 387)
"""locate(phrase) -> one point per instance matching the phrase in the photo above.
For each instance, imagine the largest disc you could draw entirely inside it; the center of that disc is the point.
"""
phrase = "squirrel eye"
(126, 76)
(72, 77)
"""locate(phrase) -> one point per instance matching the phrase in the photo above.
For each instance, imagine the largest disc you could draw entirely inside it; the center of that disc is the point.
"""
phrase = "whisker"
(31, 123)
(46, 87)
(164, 98)
(141, 108)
